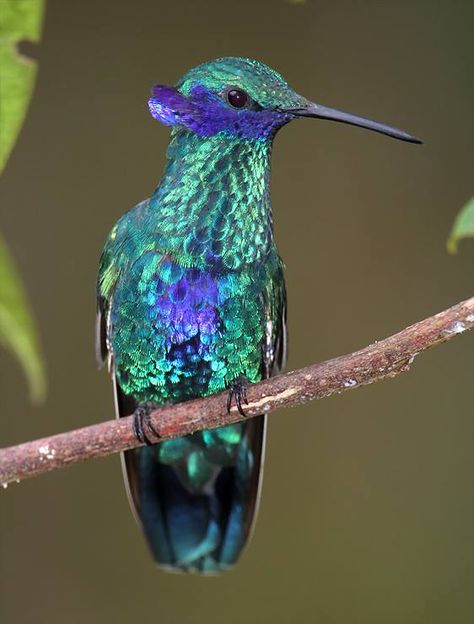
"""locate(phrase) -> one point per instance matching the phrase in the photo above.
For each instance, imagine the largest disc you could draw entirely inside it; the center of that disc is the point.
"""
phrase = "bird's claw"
(142, 425)
(238, 389)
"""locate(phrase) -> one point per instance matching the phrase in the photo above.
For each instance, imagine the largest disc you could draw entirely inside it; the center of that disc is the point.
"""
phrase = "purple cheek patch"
(161, 113)
(169, 106)
(206, 114)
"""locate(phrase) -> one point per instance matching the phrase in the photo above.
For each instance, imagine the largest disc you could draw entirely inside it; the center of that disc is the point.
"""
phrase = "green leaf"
(19, 20)
(17, 328)
(463, 226)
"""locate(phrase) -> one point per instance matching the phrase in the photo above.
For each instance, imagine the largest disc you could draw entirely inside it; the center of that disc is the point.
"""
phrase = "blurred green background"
(366, 514)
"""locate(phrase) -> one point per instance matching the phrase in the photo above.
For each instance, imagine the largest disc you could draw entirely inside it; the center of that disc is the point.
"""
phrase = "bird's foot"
(238, 389)
(142, 426)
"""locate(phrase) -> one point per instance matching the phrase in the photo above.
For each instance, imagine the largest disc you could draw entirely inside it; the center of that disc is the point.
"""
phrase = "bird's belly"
(185, 336)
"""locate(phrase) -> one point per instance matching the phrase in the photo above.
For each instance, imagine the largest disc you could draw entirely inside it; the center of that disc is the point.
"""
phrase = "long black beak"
(323, 112)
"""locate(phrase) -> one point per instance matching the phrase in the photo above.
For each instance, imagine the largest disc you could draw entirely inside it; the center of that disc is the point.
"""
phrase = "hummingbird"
(191, 301)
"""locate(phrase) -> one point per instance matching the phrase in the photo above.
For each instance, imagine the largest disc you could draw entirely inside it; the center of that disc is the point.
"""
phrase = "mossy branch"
(384, 359)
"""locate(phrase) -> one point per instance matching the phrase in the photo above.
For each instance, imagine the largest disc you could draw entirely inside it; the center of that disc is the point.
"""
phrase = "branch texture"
(384, 359)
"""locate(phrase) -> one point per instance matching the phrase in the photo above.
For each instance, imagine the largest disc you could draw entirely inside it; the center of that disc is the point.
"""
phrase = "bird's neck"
(213, 201)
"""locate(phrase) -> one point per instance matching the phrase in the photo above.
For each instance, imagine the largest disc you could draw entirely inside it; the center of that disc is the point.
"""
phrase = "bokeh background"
(367, 510)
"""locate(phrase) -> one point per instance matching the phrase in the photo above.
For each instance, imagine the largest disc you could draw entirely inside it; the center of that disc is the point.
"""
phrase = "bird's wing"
(106, 282)
(103, 352)
(275, 346)
(114, 259)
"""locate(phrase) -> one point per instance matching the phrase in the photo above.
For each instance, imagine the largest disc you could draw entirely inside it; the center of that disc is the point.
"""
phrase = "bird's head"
(243, 98)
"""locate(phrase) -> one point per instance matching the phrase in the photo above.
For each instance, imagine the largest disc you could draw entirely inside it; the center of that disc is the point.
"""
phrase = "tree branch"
(382, 360)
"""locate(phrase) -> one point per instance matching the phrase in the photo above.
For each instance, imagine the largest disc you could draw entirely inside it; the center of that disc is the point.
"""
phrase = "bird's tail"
(196, 497)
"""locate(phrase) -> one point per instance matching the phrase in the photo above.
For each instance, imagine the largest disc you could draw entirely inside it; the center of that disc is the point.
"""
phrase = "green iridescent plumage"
(219, 229)
(192, 297)
(192, 300)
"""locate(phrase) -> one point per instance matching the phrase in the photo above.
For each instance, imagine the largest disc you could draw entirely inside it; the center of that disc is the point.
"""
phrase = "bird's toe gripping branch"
(238, 390)
(143, 428)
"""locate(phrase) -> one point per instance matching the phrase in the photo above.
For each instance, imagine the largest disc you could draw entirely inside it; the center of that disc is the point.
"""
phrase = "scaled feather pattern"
(191, 299)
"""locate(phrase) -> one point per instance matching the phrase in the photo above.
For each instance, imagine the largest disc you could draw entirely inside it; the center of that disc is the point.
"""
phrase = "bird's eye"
(236, 98)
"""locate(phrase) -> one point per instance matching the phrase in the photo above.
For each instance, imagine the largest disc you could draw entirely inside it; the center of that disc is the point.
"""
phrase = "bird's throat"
(212, 205)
